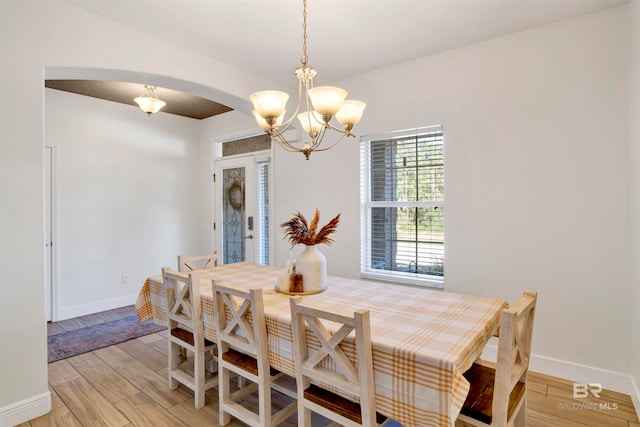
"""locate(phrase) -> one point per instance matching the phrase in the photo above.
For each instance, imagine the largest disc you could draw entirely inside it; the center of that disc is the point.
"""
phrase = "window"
(402, 206)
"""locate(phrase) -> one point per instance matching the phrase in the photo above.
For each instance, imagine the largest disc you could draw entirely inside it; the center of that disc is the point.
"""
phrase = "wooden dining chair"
(320, 372)
(192, 263)
(242, 342)
(498, 393)
(186, 333)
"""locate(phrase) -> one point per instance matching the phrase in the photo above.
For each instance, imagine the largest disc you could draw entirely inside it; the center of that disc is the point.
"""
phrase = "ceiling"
(345, 37)
(180, 103)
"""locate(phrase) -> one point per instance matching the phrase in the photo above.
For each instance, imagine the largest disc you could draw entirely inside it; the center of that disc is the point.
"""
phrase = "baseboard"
(95, 307)
(26, 410)
(635, 396)
(609, 380)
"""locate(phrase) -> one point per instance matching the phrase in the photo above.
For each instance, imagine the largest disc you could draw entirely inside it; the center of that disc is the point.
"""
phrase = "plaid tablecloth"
(423, 340)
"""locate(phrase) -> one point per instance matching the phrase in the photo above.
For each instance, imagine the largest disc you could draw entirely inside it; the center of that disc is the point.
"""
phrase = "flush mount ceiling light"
(148, 101)
(322, 103)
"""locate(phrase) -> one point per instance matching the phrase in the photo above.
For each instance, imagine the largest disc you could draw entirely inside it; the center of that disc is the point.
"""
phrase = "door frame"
(51, 216)
(240, 160)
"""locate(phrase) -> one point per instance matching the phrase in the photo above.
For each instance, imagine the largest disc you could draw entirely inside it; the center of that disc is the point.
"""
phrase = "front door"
(235, 208)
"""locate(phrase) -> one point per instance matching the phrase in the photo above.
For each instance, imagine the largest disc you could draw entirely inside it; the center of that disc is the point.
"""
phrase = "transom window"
(402, 206)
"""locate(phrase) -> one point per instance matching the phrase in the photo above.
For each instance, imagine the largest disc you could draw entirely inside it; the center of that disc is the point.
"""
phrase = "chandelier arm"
(332, 127)
(332, 145)
(288, 148)
(307, 98)
(316, 142)
(285, 125)
(280, 131)
(284, 144)
(318, 139)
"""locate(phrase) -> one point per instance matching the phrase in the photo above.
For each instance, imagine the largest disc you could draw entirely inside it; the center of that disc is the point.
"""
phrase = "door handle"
(250, 236)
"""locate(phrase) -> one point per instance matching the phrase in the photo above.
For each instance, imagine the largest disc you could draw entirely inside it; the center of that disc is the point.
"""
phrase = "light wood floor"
(54, 328)
(125, 385)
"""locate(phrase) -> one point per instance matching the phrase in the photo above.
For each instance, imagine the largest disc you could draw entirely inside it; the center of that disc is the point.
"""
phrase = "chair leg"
(304, 414)
(264, 403)
(198, 378)
(175, 352)
(520, 419)
(211, 361)
(223, 395)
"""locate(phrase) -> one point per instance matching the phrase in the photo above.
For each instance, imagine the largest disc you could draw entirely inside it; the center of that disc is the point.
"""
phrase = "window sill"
(405, 279)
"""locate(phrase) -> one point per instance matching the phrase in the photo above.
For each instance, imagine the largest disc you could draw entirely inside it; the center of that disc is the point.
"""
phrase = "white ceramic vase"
(312, 264)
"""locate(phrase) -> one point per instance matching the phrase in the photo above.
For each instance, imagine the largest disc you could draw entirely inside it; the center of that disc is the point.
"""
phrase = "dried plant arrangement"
(299, 232)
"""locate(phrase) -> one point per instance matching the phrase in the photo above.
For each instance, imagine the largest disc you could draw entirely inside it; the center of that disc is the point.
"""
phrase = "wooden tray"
(300, 293)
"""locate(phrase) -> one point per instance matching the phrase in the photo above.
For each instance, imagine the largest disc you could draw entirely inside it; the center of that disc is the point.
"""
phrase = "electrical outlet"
(125, 278)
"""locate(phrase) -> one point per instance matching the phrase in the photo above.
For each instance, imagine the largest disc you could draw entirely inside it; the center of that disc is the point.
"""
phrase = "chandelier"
(322, 103)
(148, 101)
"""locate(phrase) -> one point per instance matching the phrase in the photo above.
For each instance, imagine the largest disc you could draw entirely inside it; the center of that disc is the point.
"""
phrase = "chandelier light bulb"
(269, 103)
(263, 123)
(327, 100)
(350, 113)
(311, 122)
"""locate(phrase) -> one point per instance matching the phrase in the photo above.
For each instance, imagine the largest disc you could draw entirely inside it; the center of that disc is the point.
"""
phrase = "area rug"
(83, 340)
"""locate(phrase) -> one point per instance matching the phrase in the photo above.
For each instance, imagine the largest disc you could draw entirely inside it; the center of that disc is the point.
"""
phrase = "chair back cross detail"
(238, 330)
(330, 382)
(345, 373)
(243, 350)
(183, 299)
(199, 262)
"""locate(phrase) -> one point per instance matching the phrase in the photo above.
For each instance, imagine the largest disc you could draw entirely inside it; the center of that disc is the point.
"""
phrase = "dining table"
(423, 339)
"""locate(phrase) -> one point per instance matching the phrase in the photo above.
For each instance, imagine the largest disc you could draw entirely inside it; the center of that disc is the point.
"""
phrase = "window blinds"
(403, 204)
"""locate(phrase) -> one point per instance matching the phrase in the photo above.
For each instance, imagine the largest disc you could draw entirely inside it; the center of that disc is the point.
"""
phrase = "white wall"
(537, 179)
(634, 158)
(37, 38)
(128, 198)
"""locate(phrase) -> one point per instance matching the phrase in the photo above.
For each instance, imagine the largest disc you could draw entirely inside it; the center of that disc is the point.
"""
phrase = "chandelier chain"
(305, 58)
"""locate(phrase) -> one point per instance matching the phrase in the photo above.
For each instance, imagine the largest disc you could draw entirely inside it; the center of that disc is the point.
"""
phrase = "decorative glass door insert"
(234, 215)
